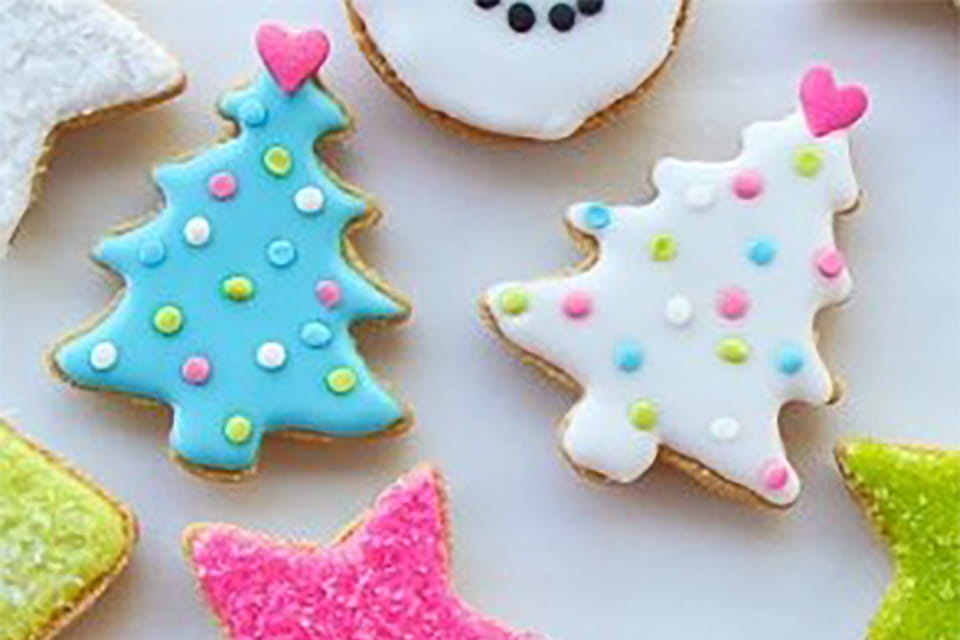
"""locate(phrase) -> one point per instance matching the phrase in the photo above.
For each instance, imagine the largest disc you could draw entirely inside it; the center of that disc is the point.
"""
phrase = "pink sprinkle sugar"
(387, 580)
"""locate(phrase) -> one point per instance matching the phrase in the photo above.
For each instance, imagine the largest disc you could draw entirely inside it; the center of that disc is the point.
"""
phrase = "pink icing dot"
(196, 370)
(775, 475)
(747, 185)
(223, 186)
(328, 293)
(577, 304)
(831, 263)
(733, 303)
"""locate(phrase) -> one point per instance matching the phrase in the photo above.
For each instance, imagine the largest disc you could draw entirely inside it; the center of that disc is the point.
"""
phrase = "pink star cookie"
(386, 578)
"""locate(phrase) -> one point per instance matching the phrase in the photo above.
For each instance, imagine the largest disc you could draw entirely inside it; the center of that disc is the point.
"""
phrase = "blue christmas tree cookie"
(241, 294)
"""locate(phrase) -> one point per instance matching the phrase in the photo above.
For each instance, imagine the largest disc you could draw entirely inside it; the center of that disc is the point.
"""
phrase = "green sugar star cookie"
(62, 540)
(912, 496)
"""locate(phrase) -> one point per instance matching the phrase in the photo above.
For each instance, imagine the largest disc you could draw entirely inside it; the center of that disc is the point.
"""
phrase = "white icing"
(309, 200)
(722, 414)
(104, 356)
(196, 232)
(271, 356)
(679, 311)
(62, 59)
(468, 63)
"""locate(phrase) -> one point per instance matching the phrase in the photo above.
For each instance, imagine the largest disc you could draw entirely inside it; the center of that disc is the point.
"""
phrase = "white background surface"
(535, 545)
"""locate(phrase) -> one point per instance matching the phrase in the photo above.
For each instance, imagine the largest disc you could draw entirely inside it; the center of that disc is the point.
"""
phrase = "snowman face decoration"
(538, 69)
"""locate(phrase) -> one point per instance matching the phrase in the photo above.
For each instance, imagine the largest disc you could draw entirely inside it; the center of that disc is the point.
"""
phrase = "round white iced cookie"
(64, 60)
(535, 69)
(694, 324)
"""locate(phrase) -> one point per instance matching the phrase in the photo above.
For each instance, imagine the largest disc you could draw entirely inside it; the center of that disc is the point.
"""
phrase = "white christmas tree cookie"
(691, 324)
(66, 63)
(535, 69)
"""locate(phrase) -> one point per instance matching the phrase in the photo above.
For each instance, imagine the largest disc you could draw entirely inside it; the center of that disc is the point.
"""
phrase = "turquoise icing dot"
(316, 335)
(152, 253)
(790, 360)
(253, 113)
(228, 333)
(628, 356)
(762, 251)
(597, 217)
(281, 253)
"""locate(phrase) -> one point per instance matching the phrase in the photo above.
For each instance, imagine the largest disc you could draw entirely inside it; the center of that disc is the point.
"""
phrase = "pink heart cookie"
(292, 58)
(829, 108)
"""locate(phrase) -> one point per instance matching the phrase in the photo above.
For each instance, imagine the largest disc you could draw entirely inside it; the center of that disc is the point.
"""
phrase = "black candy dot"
(521, 17)
(487, 4)
(562, 17)
(590, 7)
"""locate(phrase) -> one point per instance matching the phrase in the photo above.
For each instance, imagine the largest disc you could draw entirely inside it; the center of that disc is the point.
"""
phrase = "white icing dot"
(104, 356)
(309, 200)
(724, 429)
(197, 231)
(271, 356)
(679, 311)
(699, 196)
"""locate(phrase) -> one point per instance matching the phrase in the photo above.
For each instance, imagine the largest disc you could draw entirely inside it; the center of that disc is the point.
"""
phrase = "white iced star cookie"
(534, 69)
(66, 63)
(691, 323)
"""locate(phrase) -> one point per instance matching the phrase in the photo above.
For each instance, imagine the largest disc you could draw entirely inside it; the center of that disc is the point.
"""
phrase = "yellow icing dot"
(278, 161)
(342, 380)
(168, 320)
(238, 288)
(514, 301)
(238, 429)
(644, 415)
(733, 350)
(663, 248)
(808, 161)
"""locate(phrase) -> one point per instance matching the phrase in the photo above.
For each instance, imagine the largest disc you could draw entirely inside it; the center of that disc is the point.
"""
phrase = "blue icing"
(762, 251)
(790, 360)
(260, 234)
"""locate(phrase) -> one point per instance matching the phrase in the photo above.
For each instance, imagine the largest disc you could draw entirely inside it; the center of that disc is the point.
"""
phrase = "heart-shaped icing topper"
(291, 57)
(830, 108)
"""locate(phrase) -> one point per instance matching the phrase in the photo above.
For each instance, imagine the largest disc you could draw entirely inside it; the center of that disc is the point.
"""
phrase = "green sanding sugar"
(912, 496)
(61, 540)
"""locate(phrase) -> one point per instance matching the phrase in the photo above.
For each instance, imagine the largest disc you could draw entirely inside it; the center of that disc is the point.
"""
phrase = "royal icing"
(701, 309)
(62, 540)
(388, 579)
(64, 60)
(536, 69)
(243, 326)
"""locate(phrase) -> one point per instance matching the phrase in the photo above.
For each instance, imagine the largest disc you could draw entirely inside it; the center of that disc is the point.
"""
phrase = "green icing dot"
(644, 415)
(733, 350)
(60, 537)
(912, 496)
(168, 320)
(663, 248)
(238, 429)
(808, 161)
(342, 380)
(278, 161)
(238, 288)
(514, 301)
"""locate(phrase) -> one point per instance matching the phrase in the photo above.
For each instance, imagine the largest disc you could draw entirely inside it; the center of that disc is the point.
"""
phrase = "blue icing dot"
(316, 335)
(152, 253)
(790, 360)
(628, 356)
(597, 217)
(253, 113)
(762, 251)
(281, 253)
